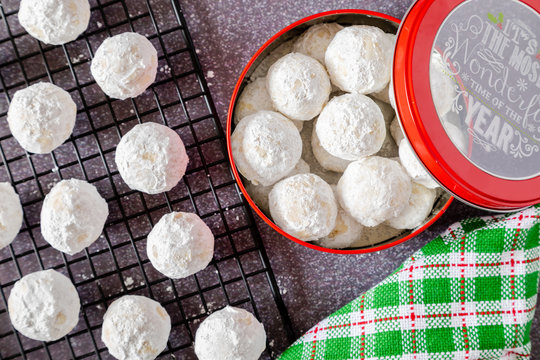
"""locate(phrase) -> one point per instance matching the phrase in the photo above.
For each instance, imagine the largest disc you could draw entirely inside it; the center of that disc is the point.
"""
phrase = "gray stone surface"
(313, 284)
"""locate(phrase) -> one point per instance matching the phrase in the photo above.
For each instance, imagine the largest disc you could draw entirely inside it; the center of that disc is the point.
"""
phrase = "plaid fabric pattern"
(469, 294)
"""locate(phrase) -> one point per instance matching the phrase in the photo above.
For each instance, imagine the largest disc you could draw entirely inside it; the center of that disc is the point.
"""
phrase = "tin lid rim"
(441, 158)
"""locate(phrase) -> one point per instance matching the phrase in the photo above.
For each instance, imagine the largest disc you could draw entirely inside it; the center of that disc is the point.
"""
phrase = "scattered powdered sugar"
(44, 305)
(129, 282)
(54, 22)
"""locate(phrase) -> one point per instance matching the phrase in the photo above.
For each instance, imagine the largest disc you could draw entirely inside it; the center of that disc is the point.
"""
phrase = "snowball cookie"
(125, 65)
(54, 22)
(44, 305)
(180, 245)
(373, 190)
(442, 85)
(419, 207)
(395, 130)
(383, 95)
(259, 193)
(298, 86)
(151, 158)
(304, 206)
(230, 334)
(351, 127)
(11, 214)
(314, 41)
(41, 117)
(414, 167)
(456, 135)
(73, 216)
(135, 328)
(324, 158)
(266, 147)
(255, 98)
(346, 232)
(359, 59)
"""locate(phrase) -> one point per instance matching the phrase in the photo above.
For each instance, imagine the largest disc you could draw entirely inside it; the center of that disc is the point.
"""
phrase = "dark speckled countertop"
(313, 284)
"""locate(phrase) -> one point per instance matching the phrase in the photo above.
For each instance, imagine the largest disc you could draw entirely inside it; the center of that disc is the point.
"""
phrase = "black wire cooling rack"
(116, 264)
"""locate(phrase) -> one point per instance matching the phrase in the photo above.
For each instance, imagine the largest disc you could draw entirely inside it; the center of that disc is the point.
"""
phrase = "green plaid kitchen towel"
(469, 294)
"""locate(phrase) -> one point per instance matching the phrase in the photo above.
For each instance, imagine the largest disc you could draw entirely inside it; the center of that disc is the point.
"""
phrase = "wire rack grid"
(116, 264)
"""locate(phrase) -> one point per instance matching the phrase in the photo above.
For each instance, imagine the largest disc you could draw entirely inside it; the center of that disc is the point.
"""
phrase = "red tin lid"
(466, 79)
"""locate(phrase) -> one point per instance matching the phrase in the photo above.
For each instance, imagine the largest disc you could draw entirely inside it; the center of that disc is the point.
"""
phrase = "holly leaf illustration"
(501, 18)
(492, 18)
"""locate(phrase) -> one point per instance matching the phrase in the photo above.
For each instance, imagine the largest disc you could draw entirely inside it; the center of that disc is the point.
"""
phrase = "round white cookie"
(230, 334)
(180, 245)
(304, 206)
(414, 167)
(373, 190)
(346, 232)
(135, 328)
(323, 157)
(255, 98)
(419, 207)
(259, 193)
(351, 127)
(314, 41)
(395, 130)
(73, 216)
(54, 22)
(11, 214)
(298, 86)
(456, 135)
(44, 305)
(151, 158)
(359, 59)
(266, 147)
(41, 117)
(442, 84)
(125, 65)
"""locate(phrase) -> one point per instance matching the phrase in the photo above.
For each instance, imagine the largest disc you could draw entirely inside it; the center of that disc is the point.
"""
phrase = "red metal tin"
(236, 93)
(422, 126)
